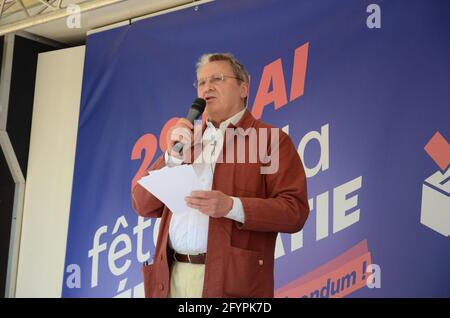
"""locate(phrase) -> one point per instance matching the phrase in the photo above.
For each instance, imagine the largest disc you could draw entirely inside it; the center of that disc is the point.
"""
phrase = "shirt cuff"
(237, 211)
(172, 161)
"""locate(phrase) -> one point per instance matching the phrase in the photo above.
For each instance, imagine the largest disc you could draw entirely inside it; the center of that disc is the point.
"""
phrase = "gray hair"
(238, 69)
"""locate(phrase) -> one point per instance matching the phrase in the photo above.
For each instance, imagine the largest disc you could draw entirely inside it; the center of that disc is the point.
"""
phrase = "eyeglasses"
(213, 79)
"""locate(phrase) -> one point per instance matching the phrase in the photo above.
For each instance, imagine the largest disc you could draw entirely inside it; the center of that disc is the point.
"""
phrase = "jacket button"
(261, 262)
(161, 286)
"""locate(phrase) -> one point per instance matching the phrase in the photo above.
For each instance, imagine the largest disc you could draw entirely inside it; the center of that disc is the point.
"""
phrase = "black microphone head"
(201, 103)
(196, 110)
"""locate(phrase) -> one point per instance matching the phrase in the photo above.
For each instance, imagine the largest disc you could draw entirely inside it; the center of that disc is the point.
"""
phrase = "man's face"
(223, 98)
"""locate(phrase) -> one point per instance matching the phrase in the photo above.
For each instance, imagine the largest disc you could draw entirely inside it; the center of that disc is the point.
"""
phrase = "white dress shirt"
(188, 232)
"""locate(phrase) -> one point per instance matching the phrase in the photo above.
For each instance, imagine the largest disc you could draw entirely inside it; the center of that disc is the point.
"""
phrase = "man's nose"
(208, 87)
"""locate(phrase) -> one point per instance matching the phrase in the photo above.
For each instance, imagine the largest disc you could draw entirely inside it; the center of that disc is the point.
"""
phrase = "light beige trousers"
(186, 280)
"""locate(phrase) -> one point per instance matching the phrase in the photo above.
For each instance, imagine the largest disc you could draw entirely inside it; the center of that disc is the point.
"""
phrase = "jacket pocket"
(244, 273)
(147, 273)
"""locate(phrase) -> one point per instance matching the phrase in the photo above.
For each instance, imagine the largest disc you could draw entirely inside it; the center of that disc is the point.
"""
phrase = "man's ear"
(244, 90)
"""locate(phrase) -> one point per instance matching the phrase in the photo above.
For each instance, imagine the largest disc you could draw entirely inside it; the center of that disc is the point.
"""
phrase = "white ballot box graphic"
(435, 211)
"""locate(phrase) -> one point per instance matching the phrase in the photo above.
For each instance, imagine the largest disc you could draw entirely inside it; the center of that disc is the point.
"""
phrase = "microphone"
(196, 110)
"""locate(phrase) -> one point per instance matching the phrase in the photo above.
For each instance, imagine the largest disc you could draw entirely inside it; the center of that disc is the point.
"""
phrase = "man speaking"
(224, 245)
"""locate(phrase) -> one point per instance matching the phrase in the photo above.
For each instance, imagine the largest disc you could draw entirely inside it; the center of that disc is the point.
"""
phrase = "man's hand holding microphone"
(181, 136)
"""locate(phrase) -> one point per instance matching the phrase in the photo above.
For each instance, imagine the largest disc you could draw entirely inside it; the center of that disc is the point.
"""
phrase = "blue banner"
(361, 88)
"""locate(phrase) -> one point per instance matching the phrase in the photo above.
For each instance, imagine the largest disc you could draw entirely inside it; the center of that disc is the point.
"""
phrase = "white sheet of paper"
(172, 185)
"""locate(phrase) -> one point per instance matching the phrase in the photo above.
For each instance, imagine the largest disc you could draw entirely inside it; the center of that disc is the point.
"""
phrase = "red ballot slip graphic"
(439, 150)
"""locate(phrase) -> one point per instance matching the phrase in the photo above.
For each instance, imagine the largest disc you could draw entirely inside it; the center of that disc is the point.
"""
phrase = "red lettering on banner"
(299, 71)
(162, 136)
(273, 73)
(148, 143)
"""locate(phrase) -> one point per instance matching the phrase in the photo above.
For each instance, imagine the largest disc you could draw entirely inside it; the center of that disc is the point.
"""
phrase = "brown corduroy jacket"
(240, 257)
